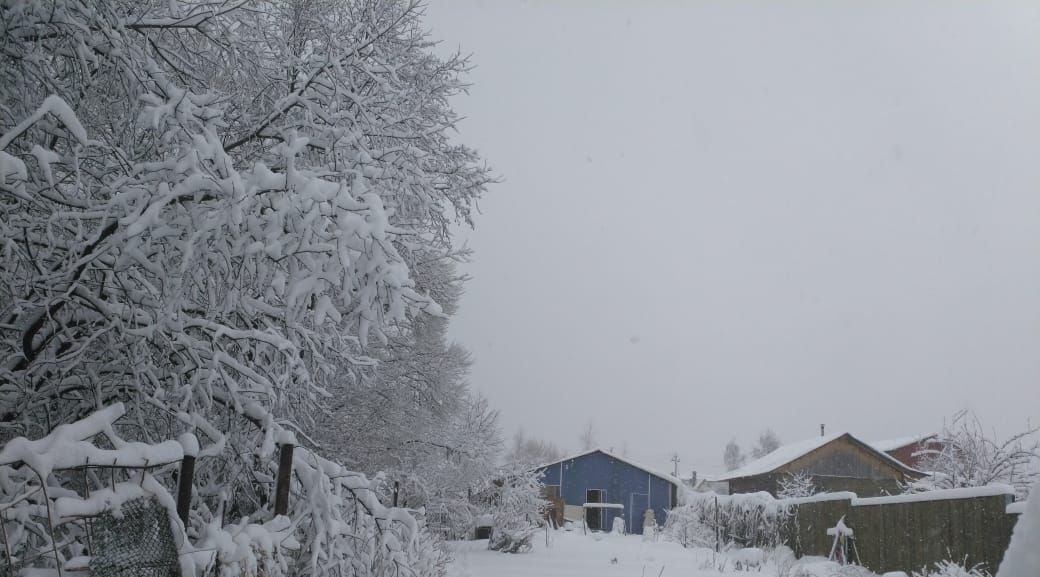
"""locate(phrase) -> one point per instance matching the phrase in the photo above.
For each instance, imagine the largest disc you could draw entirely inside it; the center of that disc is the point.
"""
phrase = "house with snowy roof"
(600, 486)
(909, 450)
(835, 462)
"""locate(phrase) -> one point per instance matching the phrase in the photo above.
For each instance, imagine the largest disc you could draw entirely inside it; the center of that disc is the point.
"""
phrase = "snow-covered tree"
(767, 443)
(412, 416)
(965, 455)
(733, 458)
(796, 485)
(529, 451)
(213, 212)
(588, 439)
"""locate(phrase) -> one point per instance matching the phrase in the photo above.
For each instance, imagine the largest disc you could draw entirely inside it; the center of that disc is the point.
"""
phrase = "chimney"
(821, 430)
(693, 479)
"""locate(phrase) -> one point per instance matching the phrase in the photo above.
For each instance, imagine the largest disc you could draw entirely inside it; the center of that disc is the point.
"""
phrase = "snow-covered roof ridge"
(666, 476)
(790, 452)
(893, 444)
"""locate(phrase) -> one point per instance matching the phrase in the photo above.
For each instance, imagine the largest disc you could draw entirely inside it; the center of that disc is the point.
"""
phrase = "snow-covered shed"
(909, 450)
(836, 462)
(599, 476)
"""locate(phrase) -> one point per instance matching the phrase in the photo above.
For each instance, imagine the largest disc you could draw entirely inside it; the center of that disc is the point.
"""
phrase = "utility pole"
(675, 460)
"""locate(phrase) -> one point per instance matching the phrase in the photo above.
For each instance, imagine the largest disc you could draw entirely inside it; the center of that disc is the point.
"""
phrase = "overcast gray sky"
(722, 216)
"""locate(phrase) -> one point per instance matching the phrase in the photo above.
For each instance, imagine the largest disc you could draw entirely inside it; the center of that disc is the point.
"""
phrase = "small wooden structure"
(600, 476)
(837, 462)
(910, 450)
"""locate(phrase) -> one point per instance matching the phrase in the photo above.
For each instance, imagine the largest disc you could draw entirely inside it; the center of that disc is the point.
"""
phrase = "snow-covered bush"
(796, 486)
(745, 520)
(965, 455)
(748, 558)
(685, 525)
(951, 569)
(517, 508)
(784, 559)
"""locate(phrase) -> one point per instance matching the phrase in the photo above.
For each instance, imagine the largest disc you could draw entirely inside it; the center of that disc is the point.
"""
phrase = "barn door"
(594, 517)
(638, 503)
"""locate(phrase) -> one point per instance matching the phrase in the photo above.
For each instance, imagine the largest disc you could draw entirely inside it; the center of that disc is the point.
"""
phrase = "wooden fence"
(901, 534)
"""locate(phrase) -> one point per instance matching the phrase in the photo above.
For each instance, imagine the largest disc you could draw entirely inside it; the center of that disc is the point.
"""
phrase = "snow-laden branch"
(216, 213)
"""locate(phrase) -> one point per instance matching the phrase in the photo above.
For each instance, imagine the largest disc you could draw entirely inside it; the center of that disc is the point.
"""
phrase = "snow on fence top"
(66, 447)
(761, 498)
(767, 500)
(1016, 508)
(603, 506)
(818, 497)
(939, 495)
(112, 500)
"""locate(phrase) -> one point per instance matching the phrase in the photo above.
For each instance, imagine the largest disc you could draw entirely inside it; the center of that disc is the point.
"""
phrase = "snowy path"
(572, 554)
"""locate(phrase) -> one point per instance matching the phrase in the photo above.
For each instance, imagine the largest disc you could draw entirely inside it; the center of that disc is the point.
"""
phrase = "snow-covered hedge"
(744, 520)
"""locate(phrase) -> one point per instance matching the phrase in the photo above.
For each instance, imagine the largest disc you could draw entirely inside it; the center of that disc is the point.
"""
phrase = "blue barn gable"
(601, 476)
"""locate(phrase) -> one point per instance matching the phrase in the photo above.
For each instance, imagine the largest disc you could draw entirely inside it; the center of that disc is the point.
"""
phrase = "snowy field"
(572, 554)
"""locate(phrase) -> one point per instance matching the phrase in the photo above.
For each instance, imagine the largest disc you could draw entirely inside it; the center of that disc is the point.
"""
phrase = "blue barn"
(598, 476)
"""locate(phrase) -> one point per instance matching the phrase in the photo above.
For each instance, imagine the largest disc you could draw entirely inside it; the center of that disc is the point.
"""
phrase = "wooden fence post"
(185, 480)
(281, 491)
(717, 547)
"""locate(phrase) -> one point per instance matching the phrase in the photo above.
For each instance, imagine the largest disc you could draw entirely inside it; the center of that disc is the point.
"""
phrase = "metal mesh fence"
(138, 542)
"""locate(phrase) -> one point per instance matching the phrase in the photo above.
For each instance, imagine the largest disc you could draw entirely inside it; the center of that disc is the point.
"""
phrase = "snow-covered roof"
(893, 444)
(666, 476)
(778, 458)
(793, 451)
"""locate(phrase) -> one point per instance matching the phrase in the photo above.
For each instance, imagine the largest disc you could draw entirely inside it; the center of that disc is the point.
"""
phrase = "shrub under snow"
(746, 520)
(517, 507)
(951, 569)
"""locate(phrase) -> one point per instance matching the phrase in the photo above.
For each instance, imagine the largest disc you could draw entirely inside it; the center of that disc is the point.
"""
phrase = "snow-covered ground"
(572, 554)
